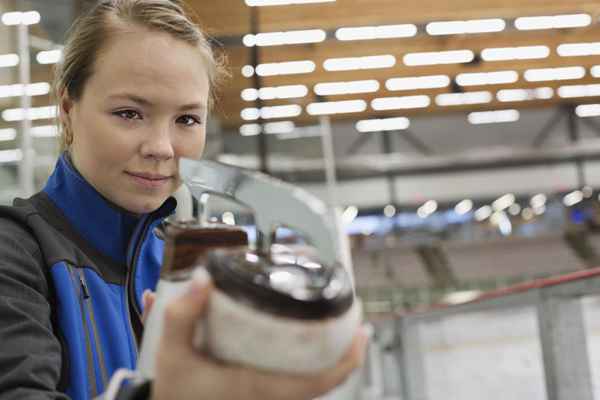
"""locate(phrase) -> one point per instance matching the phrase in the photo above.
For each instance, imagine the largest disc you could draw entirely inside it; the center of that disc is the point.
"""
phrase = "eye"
(128, 114)
(189, 120)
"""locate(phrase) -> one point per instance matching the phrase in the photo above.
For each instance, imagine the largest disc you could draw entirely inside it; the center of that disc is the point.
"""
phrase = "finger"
(182, 314)
(147, 301)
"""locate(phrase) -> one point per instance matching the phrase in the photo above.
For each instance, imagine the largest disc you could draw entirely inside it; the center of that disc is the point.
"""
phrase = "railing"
(534, 341)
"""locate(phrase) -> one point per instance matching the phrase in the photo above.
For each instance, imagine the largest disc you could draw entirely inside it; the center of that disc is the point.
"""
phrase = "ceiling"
(229, 20)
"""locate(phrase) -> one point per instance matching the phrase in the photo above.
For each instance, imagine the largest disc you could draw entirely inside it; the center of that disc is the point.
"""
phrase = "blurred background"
(461, 139)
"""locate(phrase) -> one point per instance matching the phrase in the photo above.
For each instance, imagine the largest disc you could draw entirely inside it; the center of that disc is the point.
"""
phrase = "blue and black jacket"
(73, 268)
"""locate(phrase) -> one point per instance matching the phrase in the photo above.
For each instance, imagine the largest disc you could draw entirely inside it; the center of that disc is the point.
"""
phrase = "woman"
(75, 259)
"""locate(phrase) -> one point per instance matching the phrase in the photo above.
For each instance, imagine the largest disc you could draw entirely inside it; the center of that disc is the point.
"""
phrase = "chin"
(143, 205)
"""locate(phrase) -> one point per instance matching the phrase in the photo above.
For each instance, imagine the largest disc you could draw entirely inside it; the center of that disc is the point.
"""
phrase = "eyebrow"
(144, 102)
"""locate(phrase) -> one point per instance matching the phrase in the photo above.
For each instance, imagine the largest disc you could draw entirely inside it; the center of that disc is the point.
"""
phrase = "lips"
(149, 176)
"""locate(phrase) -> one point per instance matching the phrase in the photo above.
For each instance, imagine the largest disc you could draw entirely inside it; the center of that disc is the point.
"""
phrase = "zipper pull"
(84, 289)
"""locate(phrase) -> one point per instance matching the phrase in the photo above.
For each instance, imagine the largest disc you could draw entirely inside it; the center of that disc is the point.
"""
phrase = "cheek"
(192, 147)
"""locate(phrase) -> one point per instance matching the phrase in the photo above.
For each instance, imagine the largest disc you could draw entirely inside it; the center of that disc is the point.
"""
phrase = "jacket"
(73, 268)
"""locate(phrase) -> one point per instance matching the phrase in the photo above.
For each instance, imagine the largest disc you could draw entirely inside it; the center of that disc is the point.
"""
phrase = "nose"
(158, 144)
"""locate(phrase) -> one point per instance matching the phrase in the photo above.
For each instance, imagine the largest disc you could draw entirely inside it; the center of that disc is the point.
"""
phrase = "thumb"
(182, 314)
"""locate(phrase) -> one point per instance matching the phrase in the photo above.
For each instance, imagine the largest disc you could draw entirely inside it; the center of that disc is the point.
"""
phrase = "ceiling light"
(336, 107)
(400, 103)
(376, 32)
(33, 89)
(389, 211)
(358, 63)
(462, 27)
(501, 220)
(578, 49)
(384, 124)
(285, 68)
(441, 57)
(515, 53)
(349, 214)
(553, 22)
(49, 57)
(10, 156)
(493, 117)
(292, 110)
(427, 209)
(514, 209)
(247, 71)
(554, 74)
(573, 198)
(527, 214)
(571, 91)
(250, 129)
(278, 128)
(8, 60)
(285, 38)
(538, 200)
(263, 3)
(487, 78)
(278, 92)
(45, 131)
(510, 95)
(18, 114)
(595, 71)
(8, 134)
(503, 202)
(588, 110)
(18, 17)
(464, 207)
(483, 213)
(250, 114)
(458, 99)
(352, 87)
(418, 82)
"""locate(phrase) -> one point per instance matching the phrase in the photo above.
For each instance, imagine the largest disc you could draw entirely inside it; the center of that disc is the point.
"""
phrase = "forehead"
(151, 64)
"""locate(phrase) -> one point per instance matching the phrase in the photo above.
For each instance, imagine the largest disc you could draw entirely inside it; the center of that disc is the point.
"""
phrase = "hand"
(183, 372)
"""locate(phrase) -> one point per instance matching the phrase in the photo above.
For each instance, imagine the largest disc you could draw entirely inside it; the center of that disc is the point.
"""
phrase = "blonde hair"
(90, 32)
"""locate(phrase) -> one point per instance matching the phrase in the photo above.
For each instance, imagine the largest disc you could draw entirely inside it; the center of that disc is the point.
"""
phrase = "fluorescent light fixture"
(358, 63)
(8, 134)
(33, 89)
(501, 220)
(18, 114)
(264, 3)
(46, 131)
(336, 107)
(49, 56)
(463, 207)
(514, 209)
(572, 91)
(503, 202)
(418, 82)
(279, 128)
(515, 53)
(514, 95)
(351, 87)
(578, 49)
(250, 114)
(462, 27)
(18, 18)
(538, 200)
(459, 99)
(463, 296)
(427, 209)
(595, 71)
(487, 78)
(483, 213)
(400, 103)
(286, 68)
(588, 110)
(376, 32)
(285, 38)
(250, 129)
(440, 57)
(278, 92)
(573, 198)
(292, 110)
(248, 71)
(554, 74)
(10, 156)
(389, 211)
(493, 117)
(383, 124)
(539, 210)
(553, 22)
(8, 60)
(349, 214)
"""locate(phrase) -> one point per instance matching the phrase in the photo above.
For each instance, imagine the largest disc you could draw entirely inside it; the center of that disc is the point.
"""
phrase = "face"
(143, 108)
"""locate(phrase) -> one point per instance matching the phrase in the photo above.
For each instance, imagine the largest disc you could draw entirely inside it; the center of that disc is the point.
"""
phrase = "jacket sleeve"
(30, 352)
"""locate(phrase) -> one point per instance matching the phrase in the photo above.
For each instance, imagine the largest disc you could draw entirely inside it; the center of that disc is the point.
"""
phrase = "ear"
(66, 106)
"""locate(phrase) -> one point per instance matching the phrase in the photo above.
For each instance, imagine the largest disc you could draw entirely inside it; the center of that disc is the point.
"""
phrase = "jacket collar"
(104, 225)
